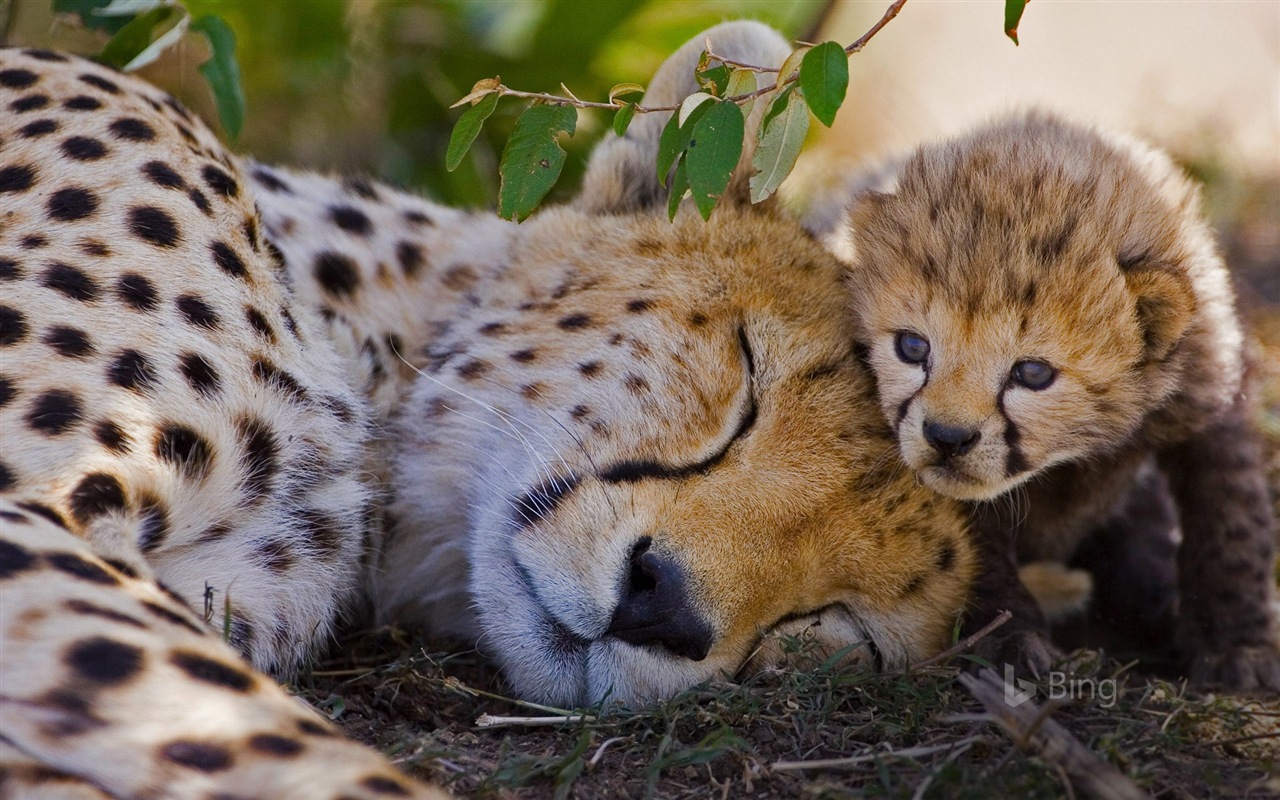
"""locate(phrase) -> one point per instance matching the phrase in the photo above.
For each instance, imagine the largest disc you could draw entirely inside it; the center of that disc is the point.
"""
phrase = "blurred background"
(365, 85)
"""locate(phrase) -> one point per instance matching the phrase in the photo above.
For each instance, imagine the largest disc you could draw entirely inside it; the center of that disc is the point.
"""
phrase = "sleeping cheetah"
(1054, 337)
(617, 451)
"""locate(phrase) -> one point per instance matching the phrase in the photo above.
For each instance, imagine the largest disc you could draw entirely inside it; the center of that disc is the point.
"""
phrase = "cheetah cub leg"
(109, 681)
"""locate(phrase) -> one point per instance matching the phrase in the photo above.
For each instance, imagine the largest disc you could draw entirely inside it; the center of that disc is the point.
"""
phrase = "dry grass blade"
(852, 761)
(1028, 725)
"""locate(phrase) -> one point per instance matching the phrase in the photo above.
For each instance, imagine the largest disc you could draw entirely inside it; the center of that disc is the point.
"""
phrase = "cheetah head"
(648, 447)
(1026, 296)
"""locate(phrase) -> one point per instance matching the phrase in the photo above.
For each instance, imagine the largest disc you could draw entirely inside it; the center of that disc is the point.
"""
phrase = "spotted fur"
(623, 454)
(1084, 254)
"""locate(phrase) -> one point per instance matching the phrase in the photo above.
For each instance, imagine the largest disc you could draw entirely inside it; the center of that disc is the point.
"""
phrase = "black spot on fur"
(199, 200)
(276, 556)
(410, 257)
(323, 531)
(136, 291)
(13, 326)
(473, 369)
(697, 319)
(914, 585)
(260, 460)
(17, 78)
(360, 187)
(111, 436)
(200, 374)
(7, 479)
(351, 219)
(273, 376)
(82, 102)
(270, 182)
(132, 129)
(637, 306)
(41, 127)
(7, 391)
(185, 449)
(14, 559)
(17, 179)
(45, 55)
(71, 204)
(524, 356)
(41, 510)
(590, 369)
(161, 174)
(154, 225)
(101, 83)
(228, 261)
(71, 281)
(132, 370)
(946, 557)
(274, 745)
(259, 323)
(313, 727)
(9, 270)
(219, 181)
(209, 670)
(31, 102)
(83, 148)
(78, 567)
(198, 312)
(337, 274)
(200, 756)
(574, 322)
(84, 607)
(121, 567)
(96, 494)
(635, 384)
(153, 523)
(55, 412)
(104, 661)
(34, 241)
(172, 617)
(382, 784)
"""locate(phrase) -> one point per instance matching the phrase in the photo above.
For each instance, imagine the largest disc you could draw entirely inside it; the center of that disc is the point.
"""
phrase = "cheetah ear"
(621, 176)
(832, 209)
(1165, 304)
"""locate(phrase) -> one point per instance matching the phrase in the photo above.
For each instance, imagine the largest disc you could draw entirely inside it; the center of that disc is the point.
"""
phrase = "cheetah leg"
(1023, 641)
(108, 680)
(1226, 581)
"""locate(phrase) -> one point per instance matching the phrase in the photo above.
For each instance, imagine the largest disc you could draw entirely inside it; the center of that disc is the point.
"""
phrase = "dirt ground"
(902, 736)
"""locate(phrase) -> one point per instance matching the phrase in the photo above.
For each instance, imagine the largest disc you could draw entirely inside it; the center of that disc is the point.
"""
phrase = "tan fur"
(1035, 239)
(505, 422)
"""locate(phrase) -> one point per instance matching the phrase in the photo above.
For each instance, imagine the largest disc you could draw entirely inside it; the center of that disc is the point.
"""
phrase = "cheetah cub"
(1054, 340)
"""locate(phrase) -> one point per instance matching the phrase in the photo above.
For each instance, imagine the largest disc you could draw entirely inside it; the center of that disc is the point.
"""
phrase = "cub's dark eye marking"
(1034, 375)
(912, 348)
(634, 470)
(540, 502)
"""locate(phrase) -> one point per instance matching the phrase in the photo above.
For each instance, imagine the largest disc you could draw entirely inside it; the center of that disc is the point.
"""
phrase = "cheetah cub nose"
(950, 441)
(655, 607)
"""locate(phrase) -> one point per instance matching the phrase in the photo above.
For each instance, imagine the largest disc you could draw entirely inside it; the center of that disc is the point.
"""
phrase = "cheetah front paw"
(1024, 647)
(1238, 668)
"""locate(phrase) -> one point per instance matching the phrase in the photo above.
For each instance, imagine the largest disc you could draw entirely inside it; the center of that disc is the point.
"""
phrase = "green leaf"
(621, 90)
(222, 72)
(780, 141)
(622, 120)
(467, 129)
(84, 10)
(713, 152)
(824, 77)
(742, 81)
(675, 138)
(714, 80)
(133, 39)
(1012, 16)
(778, 105)
(532, 159)
(679, 188)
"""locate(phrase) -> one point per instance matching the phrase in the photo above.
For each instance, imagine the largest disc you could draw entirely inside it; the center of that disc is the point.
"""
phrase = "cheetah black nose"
(655, 607)
(950, 441)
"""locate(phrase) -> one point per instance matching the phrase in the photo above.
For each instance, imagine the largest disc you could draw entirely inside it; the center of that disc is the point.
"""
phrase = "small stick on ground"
(852, 761)
(965, 644)
(492, 721)
(1028, 727)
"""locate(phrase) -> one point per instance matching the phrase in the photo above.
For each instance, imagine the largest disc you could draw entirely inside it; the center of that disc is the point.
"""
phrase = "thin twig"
(605, 745)
(851, 761)
(453, 683)
(506, 91)
(492, 721)
(965, 643)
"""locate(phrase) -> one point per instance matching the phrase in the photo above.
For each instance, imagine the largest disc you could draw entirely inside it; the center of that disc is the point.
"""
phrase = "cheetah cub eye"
(1034, 375)
(912, 347)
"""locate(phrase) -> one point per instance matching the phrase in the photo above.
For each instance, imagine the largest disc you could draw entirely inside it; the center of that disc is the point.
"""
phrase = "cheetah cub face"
(1020, 293)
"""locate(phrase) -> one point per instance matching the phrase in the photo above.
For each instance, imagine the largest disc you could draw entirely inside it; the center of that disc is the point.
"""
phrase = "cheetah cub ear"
(1165, 302)
(621, 176)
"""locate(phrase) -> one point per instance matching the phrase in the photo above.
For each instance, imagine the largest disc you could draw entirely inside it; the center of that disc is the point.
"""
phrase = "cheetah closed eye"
(617, 451)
